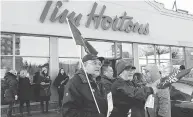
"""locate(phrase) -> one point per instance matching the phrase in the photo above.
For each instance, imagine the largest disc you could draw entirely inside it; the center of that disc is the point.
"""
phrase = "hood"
(154, 71)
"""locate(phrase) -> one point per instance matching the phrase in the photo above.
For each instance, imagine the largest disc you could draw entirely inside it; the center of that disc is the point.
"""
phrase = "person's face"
(109, 72)
(62, 71)
(128, 73)
(45, 71)
(93, 67)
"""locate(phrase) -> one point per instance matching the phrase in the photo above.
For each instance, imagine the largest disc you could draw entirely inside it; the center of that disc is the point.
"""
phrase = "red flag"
(80, 40)
(173, 77)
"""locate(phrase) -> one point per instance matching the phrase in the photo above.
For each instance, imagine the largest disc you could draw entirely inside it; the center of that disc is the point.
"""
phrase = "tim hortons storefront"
(35, 33)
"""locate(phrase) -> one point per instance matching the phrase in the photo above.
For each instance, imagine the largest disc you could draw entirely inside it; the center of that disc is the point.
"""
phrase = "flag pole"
(84, 69)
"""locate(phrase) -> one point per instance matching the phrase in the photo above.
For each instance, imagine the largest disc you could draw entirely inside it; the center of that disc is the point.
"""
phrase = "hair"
(104, 68)
(23, 73)
(182, 67)
(138, 78)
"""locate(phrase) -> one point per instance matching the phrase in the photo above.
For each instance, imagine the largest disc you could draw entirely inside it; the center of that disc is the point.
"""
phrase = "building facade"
(35, 33)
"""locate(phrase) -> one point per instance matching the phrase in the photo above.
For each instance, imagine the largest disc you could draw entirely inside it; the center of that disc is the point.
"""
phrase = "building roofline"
(163, 11)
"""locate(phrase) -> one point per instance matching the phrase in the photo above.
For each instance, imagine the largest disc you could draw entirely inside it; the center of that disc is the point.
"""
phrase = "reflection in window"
(162, 52)
(6, 44)
(32, 64)
(177, 53)
(31, 46)
(67, 48)
(177, 56)
(127, 51)
(178, 92)
(6, 64)
(189, 57)
(105, 49)
(146, 51)
(70, 65)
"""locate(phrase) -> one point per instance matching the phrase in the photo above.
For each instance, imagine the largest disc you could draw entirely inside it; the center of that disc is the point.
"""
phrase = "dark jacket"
(107, 83)
(11, 87)
(78, 100)
(59, 79)
(126, 95)
(24, 89)
(42, 91)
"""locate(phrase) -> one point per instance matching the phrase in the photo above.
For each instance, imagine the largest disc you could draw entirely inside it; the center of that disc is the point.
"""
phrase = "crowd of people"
(82, 97)
(17, 86)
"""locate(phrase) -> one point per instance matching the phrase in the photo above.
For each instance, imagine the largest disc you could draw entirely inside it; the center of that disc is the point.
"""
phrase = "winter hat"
(154, 71)
(89, 57)
(14, 72)
(122, 65)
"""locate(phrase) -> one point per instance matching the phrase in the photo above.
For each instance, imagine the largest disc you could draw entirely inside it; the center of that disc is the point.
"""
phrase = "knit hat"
(14, 72)
(122, 65)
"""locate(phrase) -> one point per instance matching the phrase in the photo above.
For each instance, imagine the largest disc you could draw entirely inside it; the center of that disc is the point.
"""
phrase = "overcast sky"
(181, 4)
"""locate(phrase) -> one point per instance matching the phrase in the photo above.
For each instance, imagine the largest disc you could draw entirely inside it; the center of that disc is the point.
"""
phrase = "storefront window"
(67, 48)
(31, 64)
(6, 44)
(105, 49)
(177, 56)
(70, 65)
(146, 55)
(127, 50)
(6, 64)
(189, 60)
(31, 46)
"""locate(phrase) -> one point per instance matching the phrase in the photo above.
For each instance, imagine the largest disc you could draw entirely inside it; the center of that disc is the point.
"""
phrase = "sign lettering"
(123, 23)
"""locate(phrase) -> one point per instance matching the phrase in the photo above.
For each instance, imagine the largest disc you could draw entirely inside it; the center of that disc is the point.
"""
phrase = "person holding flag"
(78, 100)
(84, 96)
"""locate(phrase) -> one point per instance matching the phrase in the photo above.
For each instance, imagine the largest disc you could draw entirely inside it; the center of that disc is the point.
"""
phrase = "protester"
(78, 100)
(44, 82)
(107, 77)
(11, 86)
(24, 91)
(59, 83)
(125, 94)
(138, 109)
(162, 106)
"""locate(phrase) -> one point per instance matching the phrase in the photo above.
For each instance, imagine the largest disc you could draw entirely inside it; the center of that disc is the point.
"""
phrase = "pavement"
(50, 114)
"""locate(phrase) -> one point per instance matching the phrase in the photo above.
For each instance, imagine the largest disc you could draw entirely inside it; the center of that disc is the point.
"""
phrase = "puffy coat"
(162, 105)
(107, 83)
(126, 96)
(24, 89)
(78, 100)
(11, 87)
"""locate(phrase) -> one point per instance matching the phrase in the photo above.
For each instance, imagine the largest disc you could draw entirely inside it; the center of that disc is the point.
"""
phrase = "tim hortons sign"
(123, 23)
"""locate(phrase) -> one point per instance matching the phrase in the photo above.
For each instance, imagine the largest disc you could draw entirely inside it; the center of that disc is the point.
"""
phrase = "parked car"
(181, 94)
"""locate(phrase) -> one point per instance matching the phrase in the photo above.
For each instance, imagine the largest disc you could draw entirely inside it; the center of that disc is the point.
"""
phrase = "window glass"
(180, 91)
(6, 44)
(177, 53)
(31, 46)
(32, 64)
(146, 51)
(127, 51)
(162, 52)
(6, 64)
(70, 65)
(105, 49)
(189, 57)
(67, 48)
